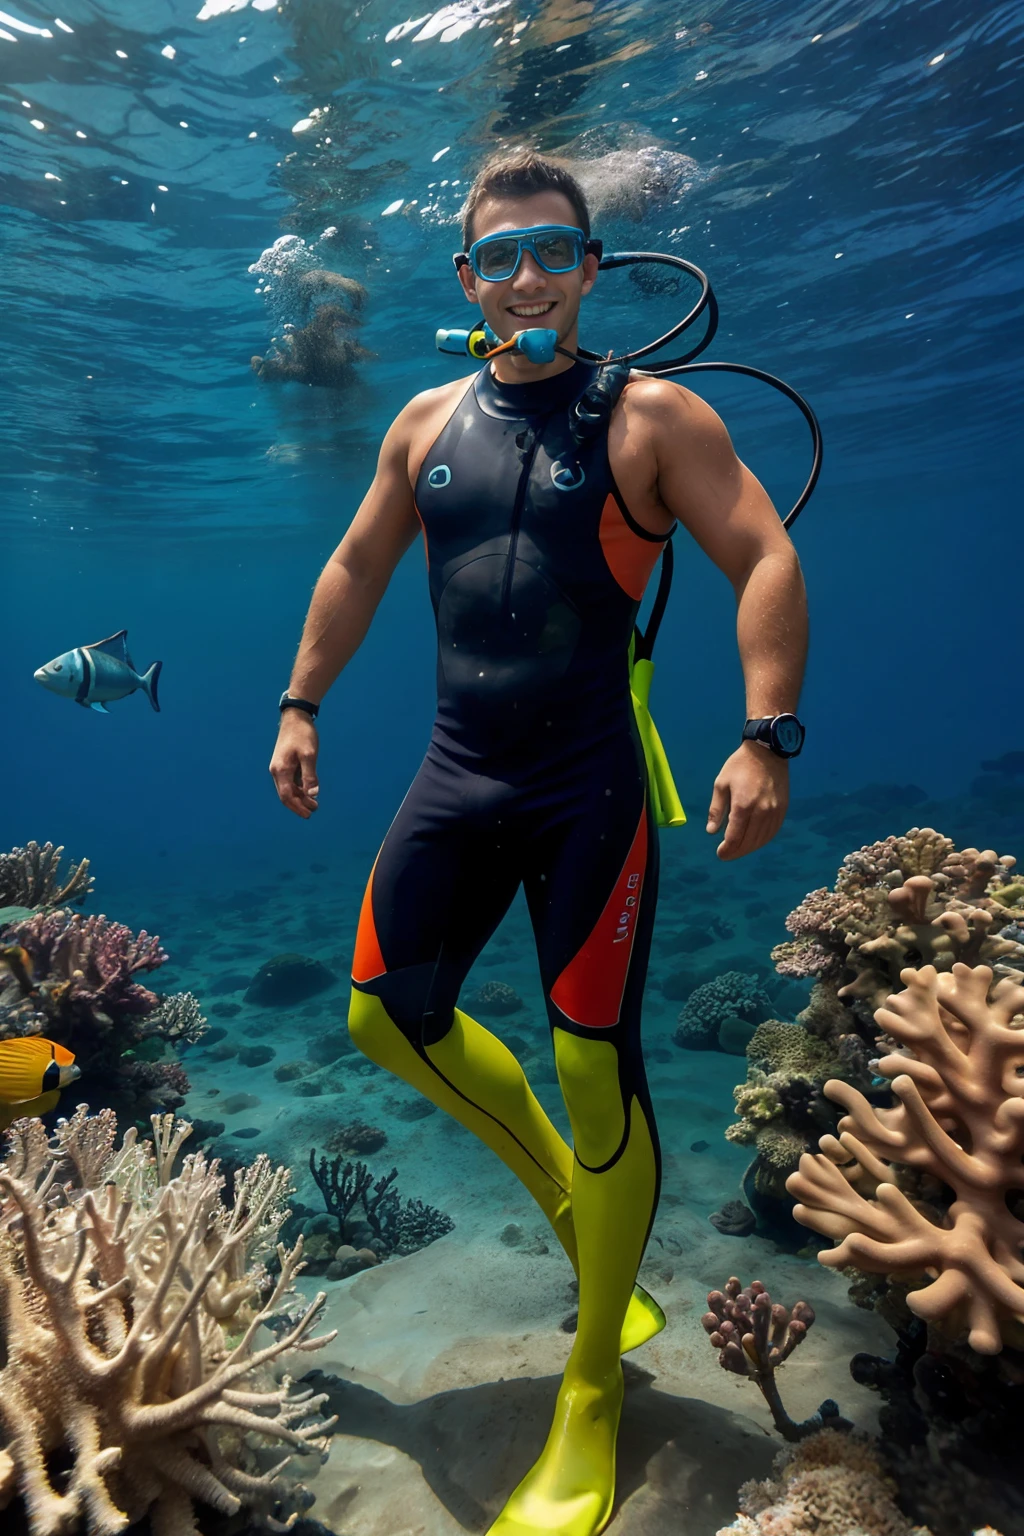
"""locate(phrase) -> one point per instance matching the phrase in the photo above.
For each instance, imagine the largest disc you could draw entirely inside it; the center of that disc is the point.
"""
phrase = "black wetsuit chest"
(531, 621)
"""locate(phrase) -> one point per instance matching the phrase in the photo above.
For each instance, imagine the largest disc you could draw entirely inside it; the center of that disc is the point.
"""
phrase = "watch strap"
(286, 701)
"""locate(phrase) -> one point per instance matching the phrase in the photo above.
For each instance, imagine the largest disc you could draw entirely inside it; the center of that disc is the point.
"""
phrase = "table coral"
(958, 1075)
(131, 1304)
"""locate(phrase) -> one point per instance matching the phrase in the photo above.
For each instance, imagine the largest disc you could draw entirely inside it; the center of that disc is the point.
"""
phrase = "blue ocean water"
(849, 174)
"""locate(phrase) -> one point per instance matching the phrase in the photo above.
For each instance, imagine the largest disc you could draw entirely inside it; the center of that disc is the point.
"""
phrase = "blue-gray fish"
(94, 675)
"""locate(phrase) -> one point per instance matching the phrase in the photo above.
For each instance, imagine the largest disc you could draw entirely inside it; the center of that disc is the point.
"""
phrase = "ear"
(590, 268)
(467, 278)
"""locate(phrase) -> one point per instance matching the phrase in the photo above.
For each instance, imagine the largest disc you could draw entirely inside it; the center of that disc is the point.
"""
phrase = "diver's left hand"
(752, 789)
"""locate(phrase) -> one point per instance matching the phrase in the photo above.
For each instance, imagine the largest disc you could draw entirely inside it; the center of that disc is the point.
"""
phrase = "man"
(538, 550)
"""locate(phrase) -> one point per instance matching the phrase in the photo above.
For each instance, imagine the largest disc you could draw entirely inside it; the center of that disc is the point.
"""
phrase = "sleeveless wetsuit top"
(536, 573)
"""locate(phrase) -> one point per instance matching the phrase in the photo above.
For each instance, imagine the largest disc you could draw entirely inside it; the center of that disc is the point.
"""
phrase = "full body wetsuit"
(534, 775)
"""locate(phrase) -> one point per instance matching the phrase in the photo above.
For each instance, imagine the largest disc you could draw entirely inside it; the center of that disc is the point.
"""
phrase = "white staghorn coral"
(130, 1304)
(958, 1077)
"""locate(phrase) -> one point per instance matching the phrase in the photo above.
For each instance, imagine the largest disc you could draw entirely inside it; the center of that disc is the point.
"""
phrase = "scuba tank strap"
(590, 414)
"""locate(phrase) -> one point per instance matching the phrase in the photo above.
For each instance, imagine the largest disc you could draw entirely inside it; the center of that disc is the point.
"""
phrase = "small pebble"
(700, 1146)
(247, 1132)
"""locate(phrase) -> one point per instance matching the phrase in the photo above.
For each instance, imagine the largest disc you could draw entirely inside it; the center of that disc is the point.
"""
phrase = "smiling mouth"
(531, 311)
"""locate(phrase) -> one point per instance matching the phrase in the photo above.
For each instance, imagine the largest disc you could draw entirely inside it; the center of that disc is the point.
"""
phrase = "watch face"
(788, 733)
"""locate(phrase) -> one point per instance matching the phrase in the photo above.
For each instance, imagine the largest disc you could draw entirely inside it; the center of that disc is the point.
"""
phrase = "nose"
(530, 275)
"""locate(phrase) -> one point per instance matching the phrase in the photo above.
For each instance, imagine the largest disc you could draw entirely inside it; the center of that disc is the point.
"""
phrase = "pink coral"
(97, 959)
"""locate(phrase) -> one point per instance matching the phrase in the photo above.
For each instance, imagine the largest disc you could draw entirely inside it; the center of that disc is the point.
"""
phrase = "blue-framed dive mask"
(554, 247)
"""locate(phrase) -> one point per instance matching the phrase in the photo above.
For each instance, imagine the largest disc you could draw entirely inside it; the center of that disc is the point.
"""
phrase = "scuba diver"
(545, 491)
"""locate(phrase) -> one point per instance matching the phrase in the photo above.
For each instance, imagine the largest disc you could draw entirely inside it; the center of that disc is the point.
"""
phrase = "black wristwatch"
(287, 702)
(781, 734)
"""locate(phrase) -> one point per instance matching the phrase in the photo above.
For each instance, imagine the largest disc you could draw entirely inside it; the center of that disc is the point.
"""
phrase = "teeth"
(526, 311)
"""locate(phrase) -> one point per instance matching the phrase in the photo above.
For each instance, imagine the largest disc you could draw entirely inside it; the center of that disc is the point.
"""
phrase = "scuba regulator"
(591, 412)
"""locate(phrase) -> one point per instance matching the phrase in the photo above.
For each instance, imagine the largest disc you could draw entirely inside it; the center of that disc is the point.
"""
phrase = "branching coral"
(30, 877)
(830, 1485)
(80, 986)
(959, 1080)
(131, 1304)
(396, 1227)
(754, 1336)
(90, 963)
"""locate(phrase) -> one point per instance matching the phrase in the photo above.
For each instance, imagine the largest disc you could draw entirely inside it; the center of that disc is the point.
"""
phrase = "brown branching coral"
(31, 877)
(131, 1304)
(754, 1336)
(959, 1080)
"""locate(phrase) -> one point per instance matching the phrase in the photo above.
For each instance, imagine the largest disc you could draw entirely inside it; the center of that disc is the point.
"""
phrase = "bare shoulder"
(419, 422)
(659, 404)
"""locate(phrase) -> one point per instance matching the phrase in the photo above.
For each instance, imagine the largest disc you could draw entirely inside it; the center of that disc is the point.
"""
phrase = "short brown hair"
(522, 173)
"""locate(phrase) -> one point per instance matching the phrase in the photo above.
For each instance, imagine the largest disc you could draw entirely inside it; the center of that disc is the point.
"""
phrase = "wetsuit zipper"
(527, 442)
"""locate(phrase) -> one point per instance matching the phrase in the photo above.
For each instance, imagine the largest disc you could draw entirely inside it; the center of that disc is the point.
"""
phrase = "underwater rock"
(234, 981)
(247, 1132)
(226, 1010)
(214, 1036)
(309, 1089)
(288, 1071)
(206, 1130)
(678, 984)
(288, 979)
(256, 1055)
(409, 1109)
(494, 999)
(700, 1146)
(512, 1234)
(330, 1046)
(236, 1102)
(735, 1219)
(222, 1052)
(356, 1136)
(569, 1323)
(734, 1035)
(688, 940)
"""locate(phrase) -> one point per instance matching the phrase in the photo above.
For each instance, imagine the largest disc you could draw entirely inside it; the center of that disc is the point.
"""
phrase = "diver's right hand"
(293, 765)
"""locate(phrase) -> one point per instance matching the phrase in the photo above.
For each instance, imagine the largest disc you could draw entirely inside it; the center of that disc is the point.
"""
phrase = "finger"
(763, 823)
(739, 816)
(719, 806)
(307, 773)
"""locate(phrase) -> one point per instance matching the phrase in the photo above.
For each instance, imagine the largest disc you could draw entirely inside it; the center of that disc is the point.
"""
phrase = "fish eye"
(57, 666)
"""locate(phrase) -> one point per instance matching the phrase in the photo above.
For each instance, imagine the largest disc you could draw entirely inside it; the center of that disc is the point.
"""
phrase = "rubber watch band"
(308, 708)
(783, 735)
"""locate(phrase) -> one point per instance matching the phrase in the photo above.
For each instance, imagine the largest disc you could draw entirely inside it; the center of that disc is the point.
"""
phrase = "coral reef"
(30, 877)
(958, 1075)
(754, 1336)
(131, 1304)
(79, 984)
(733, 995)
(901, 902)
(357, 1136)
(829, 1485)
(372, 1211)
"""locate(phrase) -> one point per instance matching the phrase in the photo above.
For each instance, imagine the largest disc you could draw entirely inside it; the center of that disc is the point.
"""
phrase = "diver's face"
(531, 297)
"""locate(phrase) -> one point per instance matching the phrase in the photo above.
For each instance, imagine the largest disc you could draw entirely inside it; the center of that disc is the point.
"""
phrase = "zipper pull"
(525, 441)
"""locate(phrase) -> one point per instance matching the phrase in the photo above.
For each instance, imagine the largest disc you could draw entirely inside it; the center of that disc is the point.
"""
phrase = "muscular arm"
(354, 579)
(692, 474)
(345, 599)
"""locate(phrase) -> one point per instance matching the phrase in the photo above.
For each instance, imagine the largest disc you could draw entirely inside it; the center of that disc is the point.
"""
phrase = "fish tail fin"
(149, 682)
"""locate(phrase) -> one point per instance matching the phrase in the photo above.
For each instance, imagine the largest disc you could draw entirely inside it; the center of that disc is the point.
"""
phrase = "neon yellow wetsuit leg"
(476, 1079)
(571, 1488)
